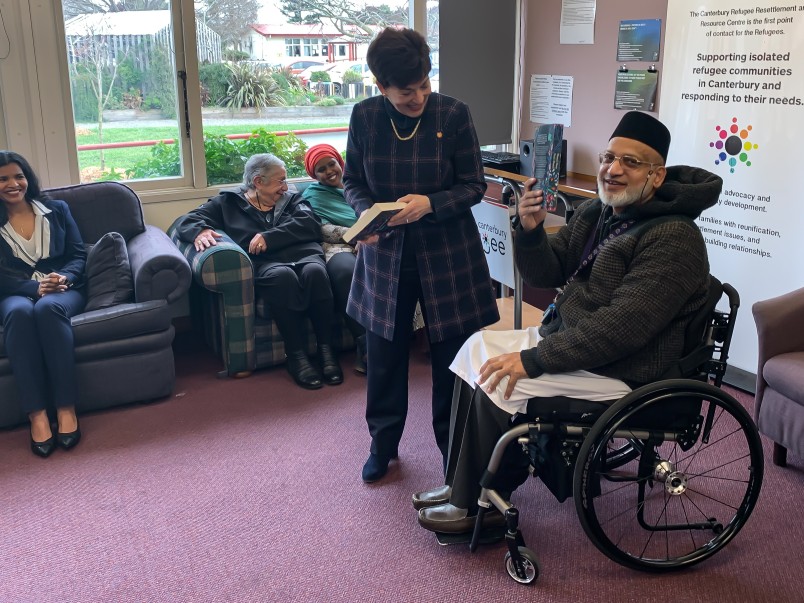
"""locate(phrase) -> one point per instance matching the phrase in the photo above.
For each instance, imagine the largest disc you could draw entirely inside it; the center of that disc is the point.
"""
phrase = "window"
(312, 47)
(173, 98)
(122, 67)
(293, 47)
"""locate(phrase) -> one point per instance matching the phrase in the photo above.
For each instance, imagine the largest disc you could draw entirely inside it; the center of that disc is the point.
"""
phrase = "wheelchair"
(662, 478)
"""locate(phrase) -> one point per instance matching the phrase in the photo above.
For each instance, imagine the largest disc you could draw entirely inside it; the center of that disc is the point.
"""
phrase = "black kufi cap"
(646, 129)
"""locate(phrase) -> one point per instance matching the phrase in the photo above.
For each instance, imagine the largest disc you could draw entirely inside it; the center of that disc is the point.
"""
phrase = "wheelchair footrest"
(487, 536)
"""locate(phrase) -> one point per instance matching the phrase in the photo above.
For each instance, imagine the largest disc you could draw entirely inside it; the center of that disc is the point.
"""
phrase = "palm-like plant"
(251, 87)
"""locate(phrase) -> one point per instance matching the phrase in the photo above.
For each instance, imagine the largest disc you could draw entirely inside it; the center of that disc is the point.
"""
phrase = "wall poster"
(636, 89)
(639, 40)
(733, 98)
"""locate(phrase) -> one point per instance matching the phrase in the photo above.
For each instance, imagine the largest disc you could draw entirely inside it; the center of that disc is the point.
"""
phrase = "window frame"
(49, 125)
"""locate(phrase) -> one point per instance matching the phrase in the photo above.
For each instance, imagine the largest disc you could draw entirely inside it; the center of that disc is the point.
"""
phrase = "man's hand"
(418, 206)
(206, 238)
(53, 283)
(531, 206)
(257, 245)
(496, 369)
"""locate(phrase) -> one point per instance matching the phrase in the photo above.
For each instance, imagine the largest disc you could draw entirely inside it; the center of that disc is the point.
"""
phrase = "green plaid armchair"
(236, 326)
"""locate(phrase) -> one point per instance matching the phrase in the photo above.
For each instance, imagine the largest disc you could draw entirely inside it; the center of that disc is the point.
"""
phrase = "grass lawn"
(124, 158)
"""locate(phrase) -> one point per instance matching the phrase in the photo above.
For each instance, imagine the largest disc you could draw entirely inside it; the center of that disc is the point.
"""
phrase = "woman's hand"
(206, 238)
(257, 245)
(418, 206)
(531, 206)
(496, 369)
(53, 283)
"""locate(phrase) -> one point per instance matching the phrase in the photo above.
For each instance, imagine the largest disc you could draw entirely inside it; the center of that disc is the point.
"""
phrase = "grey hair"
(259, 165)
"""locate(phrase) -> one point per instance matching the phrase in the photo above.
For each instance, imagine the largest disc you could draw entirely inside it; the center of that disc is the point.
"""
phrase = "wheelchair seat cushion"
(563, 408)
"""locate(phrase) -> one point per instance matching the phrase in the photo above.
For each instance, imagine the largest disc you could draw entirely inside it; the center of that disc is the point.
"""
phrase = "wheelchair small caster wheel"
(529, 566)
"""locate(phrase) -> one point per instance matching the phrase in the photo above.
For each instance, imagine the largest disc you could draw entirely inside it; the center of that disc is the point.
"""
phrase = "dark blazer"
(442, 161)
(291, 231)
(67, 255)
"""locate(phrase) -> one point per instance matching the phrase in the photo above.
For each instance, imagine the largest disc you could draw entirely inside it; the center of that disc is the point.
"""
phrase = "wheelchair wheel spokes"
(678, 504)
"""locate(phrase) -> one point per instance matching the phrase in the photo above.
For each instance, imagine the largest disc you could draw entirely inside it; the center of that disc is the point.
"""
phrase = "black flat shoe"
(330, 367)
(68, 440)
(43, 449)
(375, 467)
(303, 372)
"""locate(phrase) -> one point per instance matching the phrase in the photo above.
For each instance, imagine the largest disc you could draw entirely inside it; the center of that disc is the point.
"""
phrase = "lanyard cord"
(590, 257)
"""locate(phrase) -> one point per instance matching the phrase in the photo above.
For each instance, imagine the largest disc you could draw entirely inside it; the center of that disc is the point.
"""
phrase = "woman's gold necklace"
(23, 228)
(404, 138)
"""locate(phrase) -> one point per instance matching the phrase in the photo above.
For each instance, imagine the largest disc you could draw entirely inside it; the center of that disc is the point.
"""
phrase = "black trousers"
(476, 425)
(40, 346)
(294, 291)
(340, 269)
(388, 370)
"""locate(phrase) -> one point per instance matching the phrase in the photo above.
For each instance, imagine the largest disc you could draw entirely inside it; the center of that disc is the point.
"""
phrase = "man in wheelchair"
(633, 271)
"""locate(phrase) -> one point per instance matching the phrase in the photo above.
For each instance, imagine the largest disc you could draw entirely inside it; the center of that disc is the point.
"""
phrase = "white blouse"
(37, 247)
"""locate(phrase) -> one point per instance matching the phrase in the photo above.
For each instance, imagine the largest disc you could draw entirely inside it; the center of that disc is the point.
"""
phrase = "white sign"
(551, 99)
(578, 21)
(733, 98)
(493, 221)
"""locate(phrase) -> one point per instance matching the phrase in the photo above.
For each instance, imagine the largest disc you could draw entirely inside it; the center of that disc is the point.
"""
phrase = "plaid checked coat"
(442, 161)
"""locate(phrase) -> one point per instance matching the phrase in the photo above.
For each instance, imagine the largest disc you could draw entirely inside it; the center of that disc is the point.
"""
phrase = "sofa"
(237, 326)
(124, 352)
(779, 409)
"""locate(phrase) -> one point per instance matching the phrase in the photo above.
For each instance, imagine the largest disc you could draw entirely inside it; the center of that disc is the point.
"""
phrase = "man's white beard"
(626, 197)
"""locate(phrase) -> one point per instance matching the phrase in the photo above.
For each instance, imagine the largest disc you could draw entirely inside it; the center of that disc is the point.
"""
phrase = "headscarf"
(317, 153)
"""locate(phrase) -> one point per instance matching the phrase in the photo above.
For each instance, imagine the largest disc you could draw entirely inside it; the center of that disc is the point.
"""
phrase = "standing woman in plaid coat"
(420, 148)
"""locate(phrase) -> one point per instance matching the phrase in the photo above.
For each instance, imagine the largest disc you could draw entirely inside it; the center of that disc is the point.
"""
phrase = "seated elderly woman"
(282, 237)
(325, 165)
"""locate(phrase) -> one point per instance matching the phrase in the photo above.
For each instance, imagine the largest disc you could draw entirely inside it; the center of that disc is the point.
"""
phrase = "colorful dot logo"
(733, 145)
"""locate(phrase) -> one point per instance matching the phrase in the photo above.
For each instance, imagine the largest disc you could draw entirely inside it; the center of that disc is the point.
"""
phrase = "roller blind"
(477, 62)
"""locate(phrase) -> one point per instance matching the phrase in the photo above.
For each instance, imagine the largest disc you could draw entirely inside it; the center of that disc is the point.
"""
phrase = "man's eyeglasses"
(626, 161)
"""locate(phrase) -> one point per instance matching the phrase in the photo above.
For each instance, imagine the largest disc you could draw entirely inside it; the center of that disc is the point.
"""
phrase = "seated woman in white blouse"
(42, 260)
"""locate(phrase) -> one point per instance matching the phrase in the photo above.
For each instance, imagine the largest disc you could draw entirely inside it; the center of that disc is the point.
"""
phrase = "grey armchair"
(779, 410)
(124, 353)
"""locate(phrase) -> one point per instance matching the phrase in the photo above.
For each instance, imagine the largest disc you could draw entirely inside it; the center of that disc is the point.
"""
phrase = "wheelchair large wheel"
(682, 490)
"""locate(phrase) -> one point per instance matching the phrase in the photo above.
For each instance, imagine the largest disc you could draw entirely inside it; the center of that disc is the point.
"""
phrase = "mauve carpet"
(249, 490)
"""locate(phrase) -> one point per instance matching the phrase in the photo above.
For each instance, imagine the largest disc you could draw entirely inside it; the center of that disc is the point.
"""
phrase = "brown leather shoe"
(449, 519)
(432, 498)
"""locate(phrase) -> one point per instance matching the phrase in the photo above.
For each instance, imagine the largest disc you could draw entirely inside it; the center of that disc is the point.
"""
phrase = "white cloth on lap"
(576, 384)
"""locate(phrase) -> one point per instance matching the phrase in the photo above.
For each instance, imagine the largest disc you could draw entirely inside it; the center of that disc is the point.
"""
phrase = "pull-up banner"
(733, 98)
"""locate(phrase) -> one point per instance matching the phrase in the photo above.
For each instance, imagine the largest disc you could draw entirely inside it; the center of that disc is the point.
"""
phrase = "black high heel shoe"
(330, 367)
(68, 440)
(43, 449)
(303, 372)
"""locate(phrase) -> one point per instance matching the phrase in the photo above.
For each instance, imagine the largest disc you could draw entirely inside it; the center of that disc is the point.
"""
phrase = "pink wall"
(593, 67)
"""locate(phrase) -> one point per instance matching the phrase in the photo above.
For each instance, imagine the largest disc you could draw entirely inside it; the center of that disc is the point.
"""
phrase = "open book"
(372, 221)
(547, 161)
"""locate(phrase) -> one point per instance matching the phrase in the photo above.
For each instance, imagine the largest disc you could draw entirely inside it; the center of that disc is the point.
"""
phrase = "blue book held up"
(547, 161)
